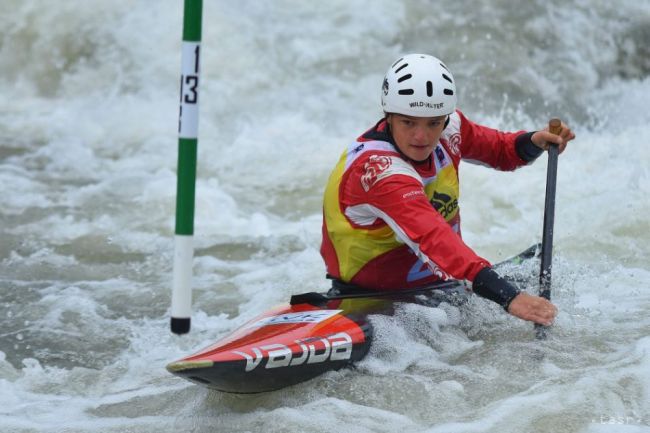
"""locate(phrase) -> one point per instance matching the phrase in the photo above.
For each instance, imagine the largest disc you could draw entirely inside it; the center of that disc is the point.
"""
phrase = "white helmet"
(419, 85)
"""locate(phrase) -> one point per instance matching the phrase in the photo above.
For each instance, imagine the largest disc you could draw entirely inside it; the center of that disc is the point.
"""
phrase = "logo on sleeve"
(414, 193)
(375, 169)
(454, 143)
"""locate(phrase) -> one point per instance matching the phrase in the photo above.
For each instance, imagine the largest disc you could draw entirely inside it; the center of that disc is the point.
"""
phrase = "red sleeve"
(403, 205)
(488, 146)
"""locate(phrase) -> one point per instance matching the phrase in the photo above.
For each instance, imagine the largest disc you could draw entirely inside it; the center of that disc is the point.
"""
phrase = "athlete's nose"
(419, 135)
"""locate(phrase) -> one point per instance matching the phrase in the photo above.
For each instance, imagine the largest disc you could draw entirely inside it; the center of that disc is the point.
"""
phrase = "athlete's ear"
(446, 122)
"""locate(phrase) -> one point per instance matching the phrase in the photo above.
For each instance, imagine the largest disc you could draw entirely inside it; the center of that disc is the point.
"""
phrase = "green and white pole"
(188, 126)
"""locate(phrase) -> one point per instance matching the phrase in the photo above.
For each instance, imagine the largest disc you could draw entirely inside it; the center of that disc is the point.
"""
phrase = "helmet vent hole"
(401, 67)
(429, 88)
(446, 77)
(406, 92)
(448, 92)
(396, 62)
(404, 78)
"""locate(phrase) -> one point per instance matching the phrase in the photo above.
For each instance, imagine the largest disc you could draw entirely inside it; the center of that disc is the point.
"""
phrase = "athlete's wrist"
(526, 149)
(488, 284)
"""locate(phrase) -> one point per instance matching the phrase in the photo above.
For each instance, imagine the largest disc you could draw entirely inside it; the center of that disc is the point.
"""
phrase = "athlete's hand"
(544, 137)
(533, 308)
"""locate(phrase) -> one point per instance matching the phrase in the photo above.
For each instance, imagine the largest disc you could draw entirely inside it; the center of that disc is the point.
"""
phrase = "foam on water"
(88, 120)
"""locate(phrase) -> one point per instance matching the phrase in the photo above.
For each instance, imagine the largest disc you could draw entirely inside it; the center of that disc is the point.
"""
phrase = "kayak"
(312, 334)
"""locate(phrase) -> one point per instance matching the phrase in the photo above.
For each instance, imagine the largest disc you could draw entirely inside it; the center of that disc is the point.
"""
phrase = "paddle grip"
(555, 126)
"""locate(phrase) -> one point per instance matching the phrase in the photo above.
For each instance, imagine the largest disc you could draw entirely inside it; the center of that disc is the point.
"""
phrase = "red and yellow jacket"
(391, 223)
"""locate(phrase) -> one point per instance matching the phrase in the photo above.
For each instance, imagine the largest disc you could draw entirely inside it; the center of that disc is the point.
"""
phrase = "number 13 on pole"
(188, 126)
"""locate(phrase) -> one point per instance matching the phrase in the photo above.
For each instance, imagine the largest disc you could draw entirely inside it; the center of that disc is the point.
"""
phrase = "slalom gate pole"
(554, 127)
(188, 125)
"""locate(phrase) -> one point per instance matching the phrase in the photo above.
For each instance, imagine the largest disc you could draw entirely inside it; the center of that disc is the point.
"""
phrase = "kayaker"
(391, 218)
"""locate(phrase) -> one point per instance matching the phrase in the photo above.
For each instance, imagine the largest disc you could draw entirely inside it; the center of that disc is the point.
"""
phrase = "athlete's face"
(416, 136)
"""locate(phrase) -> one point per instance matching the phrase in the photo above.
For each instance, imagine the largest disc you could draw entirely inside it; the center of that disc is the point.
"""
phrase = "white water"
(88, 117)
